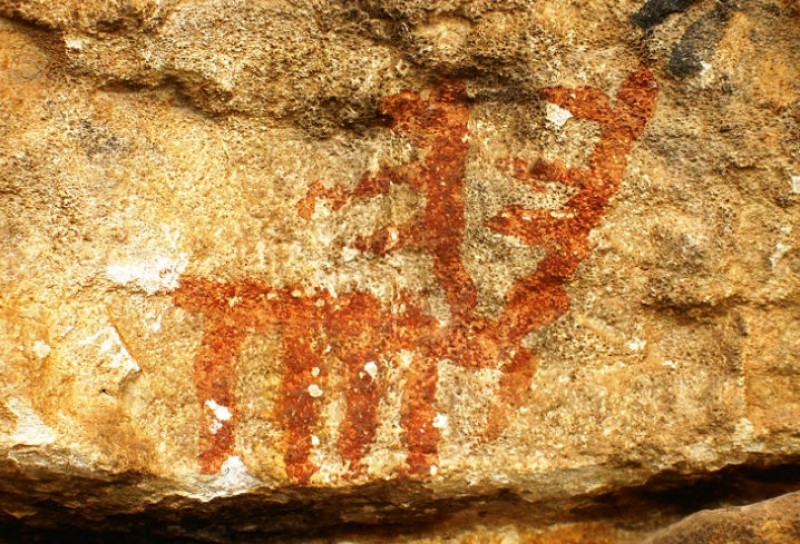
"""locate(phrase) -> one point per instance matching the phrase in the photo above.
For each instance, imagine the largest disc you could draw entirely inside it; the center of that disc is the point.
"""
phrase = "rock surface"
(460, 271)
(775, 521)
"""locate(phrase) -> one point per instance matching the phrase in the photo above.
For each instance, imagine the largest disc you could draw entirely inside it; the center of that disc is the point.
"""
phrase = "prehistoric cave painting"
(357, 329)
(315, 328)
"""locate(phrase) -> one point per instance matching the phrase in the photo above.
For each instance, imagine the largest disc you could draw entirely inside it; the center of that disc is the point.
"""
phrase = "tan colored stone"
(776, 521)
(301, 256)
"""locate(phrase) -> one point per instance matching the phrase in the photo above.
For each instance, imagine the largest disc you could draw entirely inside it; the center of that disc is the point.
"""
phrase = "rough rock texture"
(463, 271)
(775, 521)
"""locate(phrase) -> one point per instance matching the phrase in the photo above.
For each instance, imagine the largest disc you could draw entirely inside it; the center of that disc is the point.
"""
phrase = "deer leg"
(531, 304)
(417, 415)
(364, 388)
(297, 407)
(215, 381)
(515, 382)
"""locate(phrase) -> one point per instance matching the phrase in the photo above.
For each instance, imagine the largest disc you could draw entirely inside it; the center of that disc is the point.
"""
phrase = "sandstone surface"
(369, 271)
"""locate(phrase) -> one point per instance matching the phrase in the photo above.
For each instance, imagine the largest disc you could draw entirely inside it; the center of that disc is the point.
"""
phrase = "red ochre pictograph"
(357, 329)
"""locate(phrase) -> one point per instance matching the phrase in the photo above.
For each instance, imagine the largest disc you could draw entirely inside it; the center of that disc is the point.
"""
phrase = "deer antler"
(538, 299)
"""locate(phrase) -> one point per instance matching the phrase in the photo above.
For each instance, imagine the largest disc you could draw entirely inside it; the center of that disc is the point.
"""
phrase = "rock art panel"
(399, 270)
(358, 328)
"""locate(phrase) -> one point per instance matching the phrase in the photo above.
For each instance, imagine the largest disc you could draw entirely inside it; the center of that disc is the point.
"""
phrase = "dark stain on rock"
(655, 12)
(698, 43)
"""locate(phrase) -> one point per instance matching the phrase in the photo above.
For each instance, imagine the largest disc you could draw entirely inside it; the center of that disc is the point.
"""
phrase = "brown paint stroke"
(357, 329)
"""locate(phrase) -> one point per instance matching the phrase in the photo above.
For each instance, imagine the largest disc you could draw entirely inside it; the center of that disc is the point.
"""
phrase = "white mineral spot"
(794, 181)
(314, 440)
(321, 210)
(744, 431)
(328, 282)
(113, 351)
(233, 479)
(157, 323)
(372, 369)
(615, 367)
(315, 371)
(557, 115)
(780, 251)
(325, 237)
(159, 273)
(637, 344)
(707, 74)
(314, 390)
(261, 250)
(349, 253)
(434, 470)
(669, 364)
(405, 358)
(222, 413)
(510, 536)
(41, 349)
(215, 426)
(31, 430)
(74, 43)
(701, 453)
(440, 421)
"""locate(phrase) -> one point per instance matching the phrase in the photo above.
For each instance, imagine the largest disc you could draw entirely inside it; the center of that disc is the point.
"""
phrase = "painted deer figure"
(360, 329)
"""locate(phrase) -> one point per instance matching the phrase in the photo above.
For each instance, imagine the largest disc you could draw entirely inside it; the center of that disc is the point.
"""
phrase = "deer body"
(359, 329)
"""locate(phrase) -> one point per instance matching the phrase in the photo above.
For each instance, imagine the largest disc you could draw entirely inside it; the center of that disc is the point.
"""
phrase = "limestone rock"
(771, 522)
(465, 269)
